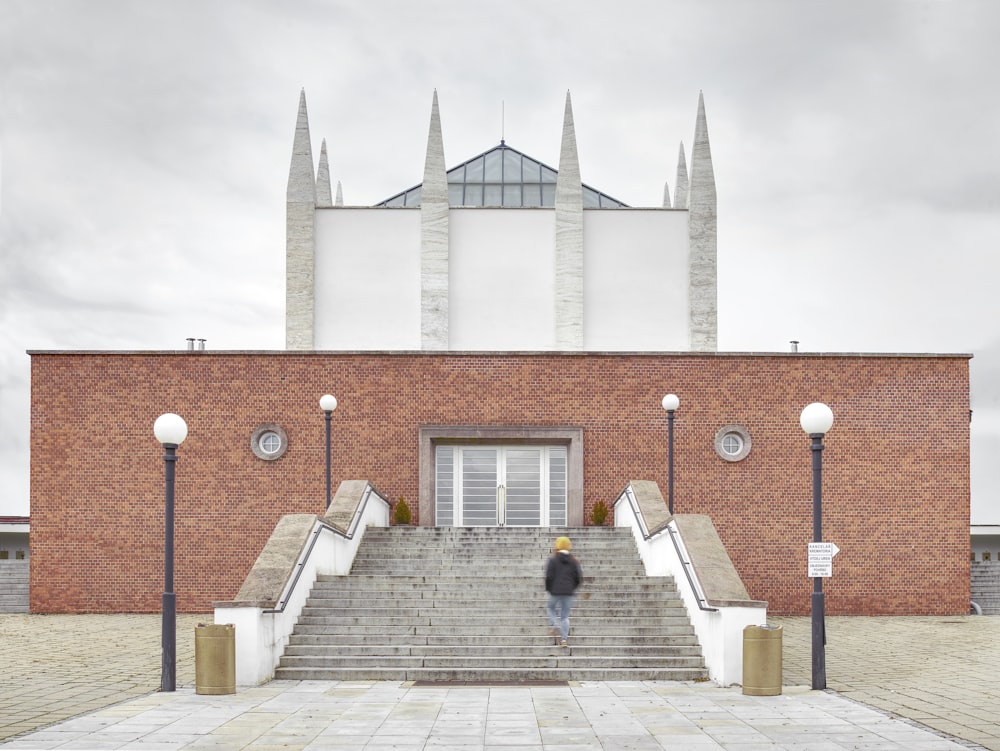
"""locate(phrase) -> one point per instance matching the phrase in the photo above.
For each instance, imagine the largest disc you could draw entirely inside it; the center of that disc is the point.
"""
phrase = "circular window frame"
(739, 432)
(259, 433)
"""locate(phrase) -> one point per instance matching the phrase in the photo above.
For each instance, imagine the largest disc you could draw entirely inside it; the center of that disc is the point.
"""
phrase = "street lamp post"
(816, 420)
(670, 404)
(328, 403)
(170, 430)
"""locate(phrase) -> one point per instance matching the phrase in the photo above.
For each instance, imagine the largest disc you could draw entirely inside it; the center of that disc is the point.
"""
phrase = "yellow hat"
(562, 543)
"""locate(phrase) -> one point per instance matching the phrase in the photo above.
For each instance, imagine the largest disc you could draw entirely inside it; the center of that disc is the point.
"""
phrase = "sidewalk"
(939, 671)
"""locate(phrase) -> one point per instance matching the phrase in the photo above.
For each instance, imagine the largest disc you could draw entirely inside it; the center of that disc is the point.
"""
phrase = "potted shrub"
(401, 514)
(599, 514)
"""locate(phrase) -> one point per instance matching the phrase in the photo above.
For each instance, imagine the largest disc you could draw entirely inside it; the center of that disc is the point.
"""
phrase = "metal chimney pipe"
(201, 345)
(190, 341)
(795, 345)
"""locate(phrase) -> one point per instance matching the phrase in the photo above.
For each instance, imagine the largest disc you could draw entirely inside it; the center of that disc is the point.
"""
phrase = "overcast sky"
(144, 152)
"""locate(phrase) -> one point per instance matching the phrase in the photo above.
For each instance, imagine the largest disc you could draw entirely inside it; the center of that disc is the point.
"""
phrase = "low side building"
(446, 430)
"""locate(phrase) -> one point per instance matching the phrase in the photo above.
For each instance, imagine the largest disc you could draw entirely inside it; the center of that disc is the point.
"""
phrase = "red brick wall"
(896, 463)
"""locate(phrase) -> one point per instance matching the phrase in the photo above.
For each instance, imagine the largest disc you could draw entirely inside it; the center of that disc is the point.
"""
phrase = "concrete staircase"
(468, 604)
(13, 586)
(986, 586)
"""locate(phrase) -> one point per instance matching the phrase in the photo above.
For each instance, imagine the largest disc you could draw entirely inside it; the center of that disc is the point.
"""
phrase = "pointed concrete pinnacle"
(666, 195)
(340, 195)
(568, 181)
(702, 171)
(301, 180)
(681, 184)
(323, 196)
(435, 185)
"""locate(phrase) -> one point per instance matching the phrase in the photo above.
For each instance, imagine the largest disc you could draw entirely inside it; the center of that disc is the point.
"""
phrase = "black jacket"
(563, 574)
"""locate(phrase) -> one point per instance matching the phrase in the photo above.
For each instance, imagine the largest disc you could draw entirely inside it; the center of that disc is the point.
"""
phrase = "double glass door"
(487, 486)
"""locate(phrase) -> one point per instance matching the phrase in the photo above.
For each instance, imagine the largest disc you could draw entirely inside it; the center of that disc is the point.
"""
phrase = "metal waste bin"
(762, 660)
(215, 659)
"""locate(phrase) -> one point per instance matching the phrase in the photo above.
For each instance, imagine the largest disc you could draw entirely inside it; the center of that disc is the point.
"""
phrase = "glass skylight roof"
(504, 176)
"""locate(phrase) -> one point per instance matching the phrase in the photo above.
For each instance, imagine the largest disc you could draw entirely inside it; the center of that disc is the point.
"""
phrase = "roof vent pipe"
(190, 341)
(795, 345)
(201, 345)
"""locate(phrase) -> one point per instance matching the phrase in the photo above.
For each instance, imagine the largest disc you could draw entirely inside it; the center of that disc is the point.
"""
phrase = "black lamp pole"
(328, 403)
(816, 420)
(168, 636)
(670, 461)
(670, 404)
(818, 604)
(328, 414)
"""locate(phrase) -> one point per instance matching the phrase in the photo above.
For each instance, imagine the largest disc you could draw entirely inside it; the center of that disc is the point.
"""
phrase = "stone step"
(530, 602)
(498, 675)
(532, 582)
(550, 649)
(464, 631)
(449, 620)
(669, 636)
(565, 659)
(515, 613)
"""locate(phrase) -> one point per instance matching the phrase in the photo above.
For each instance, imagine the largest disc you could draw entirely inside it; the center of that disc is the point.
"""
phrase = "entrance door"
(486, 486)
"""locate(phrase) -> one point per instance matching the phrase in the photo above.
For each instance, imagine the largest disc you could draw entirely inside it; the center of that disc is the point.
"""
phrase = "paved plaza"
(91, 681)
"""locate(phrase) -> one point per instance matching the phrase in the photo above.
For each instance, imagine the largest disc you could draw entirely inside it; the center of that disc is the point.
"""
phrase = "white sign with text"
(821, 558)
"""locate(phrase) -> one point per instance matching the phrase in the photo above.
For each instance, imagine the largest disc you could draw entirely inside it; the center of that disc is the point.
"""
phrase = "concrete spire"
(300, 237)
(434, 240)
(703, 230)
(666, 195)
(301, 180)
(324, 198)
(340, 195)
(681, 183)
(569, 240)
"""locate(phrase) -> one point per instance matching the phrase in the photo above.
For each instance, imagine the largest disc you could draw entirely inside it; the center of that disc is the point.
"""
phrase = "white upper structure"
(500, 253)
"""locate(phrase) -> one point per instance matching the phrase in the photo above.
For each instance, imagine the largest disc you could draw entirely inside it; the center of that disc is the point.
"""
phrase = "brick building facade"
(896, 462)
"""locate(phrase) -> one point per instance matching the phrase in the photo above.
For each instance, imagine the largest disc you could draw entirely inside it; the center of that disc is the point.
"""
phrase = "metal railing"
(319, 527)
(675, 538)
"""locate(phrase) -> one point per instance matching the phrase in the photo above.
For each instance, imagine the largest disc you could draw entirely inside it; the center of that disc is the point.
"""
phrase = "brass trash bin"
(762, 660)
(215, 659)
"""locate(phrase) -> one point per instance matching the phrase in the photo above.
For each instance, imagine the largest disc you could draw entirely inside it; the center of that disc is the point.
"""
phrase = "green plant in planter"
(599, 515)
(401, 514)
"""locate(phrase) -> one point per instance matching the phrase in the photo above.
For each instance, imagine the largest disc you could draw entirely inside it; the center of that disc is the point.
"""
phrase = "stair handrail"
(289, 588)
(321, 525)
(675, 538)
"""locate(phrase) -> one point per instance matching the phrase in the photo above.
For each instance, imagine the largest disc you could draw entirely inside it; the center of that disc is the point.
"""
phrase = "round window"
(269, 442)
(732, 443)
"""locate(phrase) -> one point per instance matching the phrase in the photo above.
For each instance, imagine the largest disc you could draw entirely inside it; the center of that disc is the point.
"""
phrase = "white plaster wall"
(502, 283)
(367, 279)
(501, 279)
(635, 288)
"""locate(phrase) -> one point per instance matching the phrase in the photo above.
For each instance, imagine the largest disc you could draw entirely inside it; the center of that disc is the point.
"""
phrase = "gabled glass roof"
(504, 176)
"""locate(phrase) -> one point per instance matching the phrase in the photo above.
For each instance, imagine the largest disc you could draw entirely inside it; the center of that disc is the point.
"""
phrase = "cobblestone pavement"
(53, 667)
(104, 671)
(942, 672)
